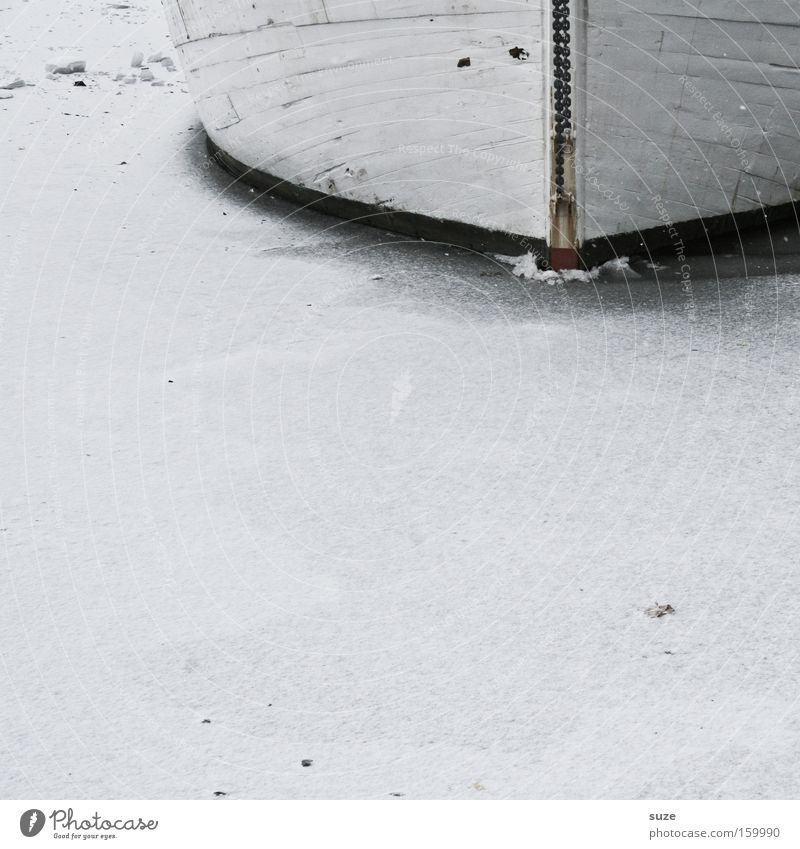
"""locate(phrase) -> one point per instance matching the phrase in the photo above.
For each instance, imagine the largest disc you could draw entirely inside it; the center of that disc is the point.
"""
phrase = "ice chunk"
(619, 266)
(68, 66)
(146, 75)
(525, 266)
(137, 59)
(573, 275)
(17, 83)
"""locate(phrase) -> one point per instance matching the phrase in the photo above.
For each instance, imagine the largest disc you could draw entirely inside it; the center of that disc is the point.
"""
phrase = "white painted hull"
(373, 106)
(691, 108)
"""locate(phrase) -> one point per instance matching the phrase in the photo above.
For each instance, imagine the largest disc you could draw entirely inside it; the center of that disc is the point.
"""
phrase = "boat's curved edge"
(681, 236)
(413, 224)
(458, 234)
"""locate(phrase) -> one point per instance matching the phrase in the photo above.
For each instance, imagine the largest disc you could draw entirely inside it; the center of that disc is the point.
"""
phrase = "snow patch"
(618, 266)
(528, 267)
(525, 266)
(579, 275)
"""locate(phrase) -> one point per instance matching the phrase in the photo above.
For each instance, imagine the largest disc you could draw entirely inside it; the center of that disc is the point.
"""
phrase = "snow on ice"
(529, 266)
(406, 529)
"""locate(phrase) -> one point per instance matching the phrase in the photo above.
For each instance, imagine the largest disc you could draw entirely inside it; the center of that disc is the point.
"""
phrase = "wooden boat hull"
(571, 128)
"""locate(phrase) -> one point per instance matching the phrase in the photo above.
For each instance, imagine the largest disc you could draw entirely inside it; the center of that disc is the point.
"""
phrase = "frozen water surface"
(377, 504)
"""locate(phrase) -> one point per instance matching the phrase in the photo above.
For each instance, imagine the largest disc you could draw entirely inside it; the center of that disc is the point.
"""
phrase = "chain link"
(562, 90)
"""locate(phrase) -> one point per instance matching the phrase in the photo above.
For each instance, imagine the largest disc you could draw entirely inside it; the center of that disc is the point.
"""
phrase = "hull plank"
(195, 20)
(688, 113)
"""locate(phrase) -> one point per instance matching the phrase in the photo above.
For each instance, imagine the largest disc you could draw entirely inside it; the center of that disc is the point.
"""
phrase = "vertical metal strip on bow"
(563, 209)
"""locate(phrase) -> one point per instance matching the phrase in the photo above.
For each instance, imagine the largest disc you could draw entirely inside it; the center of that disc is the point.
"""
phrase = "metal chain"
(562, 90)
